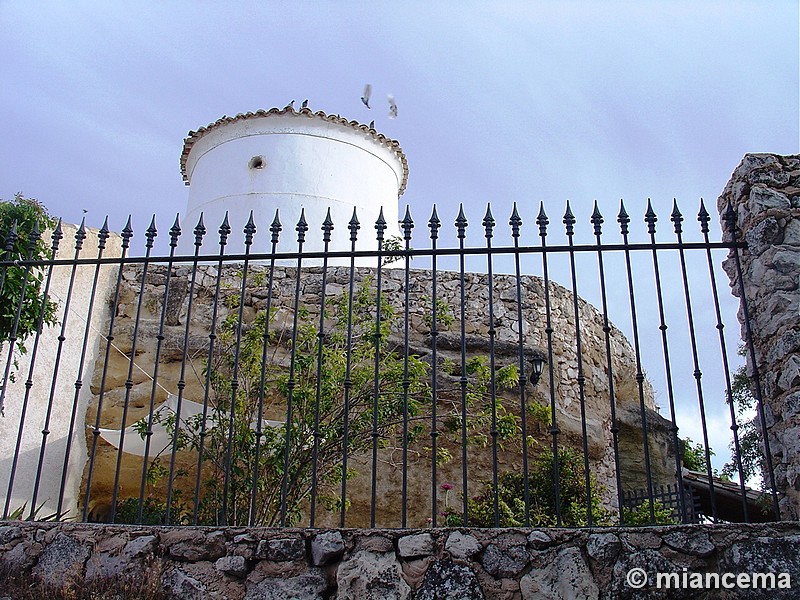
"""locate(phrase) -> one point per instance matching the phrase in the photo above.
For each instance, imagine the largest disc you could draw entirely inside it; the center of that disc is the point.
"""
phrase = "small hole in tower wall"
(257, 162)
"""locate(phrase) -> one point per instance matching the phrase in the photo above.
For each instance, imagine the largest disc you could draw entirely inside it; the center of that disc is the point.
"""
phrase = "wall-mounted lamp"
(537, 366)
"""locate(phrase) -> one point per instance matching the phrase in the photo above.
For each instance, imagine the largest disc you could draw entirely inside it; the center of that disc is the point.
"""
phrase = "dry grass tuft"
(147, 586)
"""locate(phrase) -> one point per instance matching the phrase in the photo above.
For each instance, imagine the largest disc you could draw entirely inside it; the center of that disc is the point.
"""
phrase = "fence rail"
(280, 387)
(674, 499)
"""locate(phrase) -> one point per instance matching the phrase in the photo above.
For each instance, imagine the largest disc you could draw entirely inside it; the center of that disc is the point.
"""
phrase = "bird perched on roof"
(304, 104)
(372, 124)
(367, 94)
(392, 107)
(290, 105)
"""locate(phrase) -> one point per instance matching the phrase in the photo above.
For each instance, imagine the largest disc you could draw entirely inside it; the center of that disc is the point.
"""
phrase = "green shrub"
(541, 510)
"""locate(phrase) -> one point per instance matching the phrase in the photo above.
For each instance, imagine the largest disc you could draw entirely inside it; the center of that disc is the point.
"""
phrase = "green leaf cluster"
(347, 385)
(22, 301)
(541, 509)
(751, 442)
(332, 386)
(693, 455)
(640, 515)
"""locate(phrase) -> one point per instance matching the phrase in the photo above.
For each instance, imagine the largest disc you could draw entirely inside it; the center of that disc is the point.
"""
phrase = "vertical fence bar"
(275, 230)
(542, 221)
(434, 224)
(249, 231)
(224, 232)
(80, 235)
(127, 234)
(488, 226)
(175, 232)
(102, 237)
(677, 219)
(461, 228)
(515, 222)
(380, 228)
(9, 242)
(597, 222)
(569, 222)
(624, 220)
(651, 219)
(302, 228)
(730, 221)
(33, 239)
(353, 226)
(703, 217)
(408, 225)
(150, 236)
(327, 228)
(199, 232)
(56, 238)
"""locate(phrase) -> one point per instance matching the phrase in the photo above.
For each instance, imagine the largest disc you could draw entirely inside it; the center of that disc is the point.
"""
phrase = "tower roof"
(379, 138)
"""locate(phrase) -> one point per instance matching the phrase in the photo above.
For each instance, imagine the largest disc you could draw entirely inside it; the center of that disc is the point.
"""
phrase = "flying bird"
(367, 94)
(392, 107)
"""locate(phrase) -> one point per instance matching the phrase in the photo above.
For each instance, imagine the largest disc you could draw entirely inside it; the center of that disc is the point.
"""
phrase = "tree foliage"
(640, 515)
(331, 387)
(751, 449)
(750, 438)
(20, 216)
(693, 455)
(572, 497)
(247, 383)
(22, 301)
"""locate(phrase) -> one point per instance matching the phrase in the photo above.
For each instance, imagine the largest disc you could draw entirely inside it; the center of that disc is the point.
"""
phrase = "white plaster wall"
(309, 163)
(63, 396)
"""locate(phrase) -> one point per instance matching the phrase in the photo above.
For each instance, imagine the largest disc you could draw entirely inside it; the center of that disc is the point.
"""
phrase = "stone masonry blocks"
(764, 193)
(306, 564)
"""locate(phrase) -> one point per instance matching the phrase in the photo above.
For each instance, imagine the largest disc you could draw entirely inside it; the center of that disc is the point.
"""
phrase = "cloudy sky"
(498, 101)
(514, 101)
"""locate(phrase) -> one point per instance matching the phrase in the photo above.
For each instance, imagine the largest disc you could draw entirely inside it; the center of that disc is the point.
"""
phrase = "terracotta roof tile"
(379, 137)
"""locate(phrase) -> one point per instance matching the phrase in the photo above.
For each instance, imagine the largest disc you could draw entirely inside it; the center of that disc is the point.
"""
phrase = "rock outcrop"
(764, 196)
(476, 330)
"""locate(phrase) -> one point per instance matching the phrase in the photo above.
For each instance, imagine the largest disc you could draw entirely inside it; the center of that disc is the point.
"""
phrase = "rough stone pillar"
(764, 192)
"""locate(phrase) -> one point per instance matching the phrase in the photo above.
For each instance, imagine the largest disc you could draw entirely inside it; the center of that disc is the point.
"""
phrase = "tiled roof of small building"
(307, 112)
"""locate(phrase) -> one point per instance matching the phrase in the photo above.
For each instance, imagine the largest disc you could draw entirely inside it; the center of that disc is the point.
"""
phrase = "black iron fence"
(280, 387)
(683, 504)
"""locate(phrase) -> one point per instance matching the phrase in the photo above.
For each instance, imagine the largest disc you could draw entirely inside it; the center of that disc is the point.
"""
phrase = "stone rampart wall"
(503, 564)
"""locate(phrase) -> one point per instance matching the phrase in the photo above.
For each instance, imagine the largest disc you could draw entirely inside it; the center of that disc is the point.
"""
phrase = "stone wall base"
(240, 563)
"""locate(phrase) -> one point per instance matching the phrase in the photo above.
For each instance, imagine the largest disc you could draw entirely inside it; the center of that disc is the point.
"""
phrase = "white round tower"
(291, 161)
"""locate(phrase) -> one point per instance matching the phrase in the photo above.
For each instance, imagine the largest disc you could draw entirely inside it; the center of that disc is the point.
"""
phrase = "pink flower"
(447, 487)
